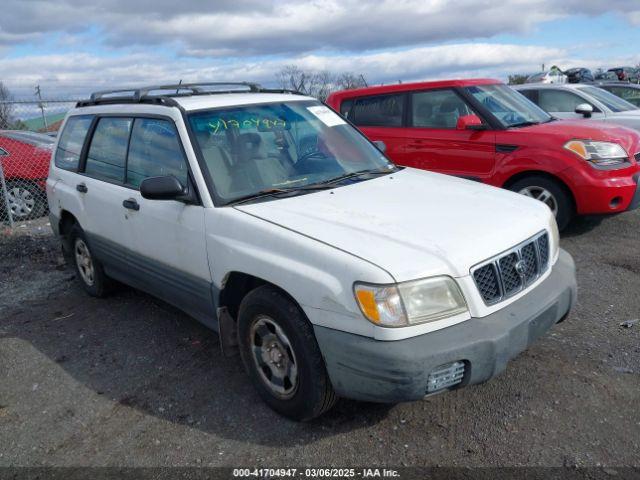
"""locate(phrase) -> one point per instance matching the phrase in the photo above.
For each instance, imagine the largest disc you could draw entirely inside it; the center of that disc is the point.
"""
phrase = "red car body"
(501, 156)
(25, 156)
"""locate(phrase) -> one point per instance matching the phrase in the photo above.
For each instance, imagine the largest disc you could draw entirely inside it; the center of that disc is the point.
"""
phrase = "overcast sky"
(75, 46)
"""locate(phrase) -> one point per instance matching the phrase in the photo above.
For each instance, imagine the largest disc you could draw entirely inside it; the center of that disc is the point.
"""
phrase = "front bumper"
(362, 368)
(603, 191)
(635, 201)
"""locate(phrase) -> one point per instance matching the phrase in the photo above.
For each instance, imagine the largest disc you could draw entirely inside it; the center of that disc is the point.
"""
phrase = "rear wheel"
(281, 355)
(89, 270)
(549, 192)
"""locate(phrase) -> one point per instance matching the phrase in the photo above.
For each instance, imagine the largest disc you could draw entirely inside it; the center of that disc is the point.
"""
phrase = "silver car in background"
(582, 101)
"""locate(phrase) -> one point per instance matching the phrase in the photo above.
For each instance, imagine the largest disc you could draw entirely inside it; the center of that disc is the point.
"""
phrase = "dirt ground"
(130, 381)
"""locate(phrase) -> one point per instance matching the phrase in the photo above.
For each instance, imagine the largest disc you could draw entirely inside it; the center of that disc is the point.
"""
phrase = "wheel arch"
(236, 285)
(65, 224)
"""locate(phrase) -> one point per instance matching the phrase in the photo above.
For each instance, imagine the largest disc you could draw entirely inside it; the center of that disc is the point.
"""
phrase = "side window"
(108, 151)
(71, 142)
(559, 100)
(530, 94)
(437, 109)
(380, 111)
(154, 151)
(345, 109)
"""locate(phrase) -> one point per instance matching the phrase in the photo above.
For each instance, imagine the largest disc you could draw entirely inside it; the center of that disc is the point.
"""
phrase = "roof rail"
(164, 94)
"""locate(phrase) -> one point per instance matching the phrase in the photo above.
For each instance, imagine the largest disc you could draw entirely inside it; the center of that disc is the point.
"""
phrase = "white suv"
(267, 217)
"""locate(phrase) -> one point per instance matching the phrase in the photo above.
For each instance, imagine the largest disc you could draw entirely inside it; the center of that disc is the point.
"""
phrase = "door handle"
(131, 204)
(82, 188)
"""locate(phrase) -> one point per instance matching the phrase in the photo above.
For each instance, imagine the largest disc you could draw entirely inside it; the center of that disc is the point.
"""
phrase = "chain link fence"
(28, 132)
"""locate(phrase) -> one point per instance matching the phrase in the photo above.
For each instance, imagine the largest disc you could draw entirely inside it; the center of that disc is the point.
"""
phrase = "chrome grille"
(543, 247)
(512, 271)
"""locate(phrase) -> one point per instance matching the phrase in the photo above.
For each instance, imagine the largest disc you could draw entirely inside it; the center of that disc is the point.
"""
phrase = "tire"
(90, 272)
(557, 198)
(26, 201)
(281, 356)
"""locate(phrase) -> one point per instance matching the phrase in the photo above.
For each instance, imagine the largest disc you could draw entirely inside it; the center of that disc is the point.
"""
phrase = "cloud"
(82, 73)
(289, 27)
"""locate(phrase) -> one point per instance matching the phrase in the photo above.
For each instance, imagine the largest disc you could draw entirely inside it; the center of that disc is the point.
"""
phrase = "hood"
(412, 223)
(564, 130)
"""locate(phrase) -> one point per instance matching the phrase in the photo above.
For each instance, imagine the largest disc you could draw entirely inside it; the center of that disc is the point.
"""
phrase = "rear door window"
(71, 142)
(378, 111)
(437, 109)
(154, 151)
(107, 155)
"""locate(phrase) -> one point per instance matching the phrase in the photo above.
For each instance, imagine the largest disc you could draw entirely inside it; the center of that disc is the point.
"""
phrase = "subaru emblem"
(521, 267)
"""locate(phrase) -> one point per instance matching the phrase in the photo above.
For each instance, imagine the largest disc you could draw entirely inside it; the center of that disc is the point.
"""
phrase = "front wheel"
(281, 355)
(549, 192)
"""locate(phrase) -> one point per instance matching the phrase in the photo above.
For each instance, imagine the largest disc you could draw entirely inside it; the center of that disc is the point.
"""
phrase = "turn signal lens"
(577, 148)
(367, 300)
(381, 304)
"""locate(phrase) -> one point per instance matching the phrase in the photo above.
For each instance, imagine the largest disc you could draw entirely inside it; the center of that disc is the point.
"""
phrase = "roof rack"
(164, 94)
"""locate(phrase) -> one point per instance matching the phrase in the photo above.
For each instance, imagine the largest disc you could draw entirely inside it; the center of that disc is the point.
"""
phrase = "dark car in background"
(627, 91)
(579, 75)
(626, 74)
(24, 158)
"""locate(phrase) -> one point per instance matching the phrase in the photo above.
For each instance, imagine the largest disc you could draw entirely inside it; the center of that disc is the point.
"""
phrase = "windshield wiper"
(359, 173)
(324, 185)
(527, 123)
(268, 192)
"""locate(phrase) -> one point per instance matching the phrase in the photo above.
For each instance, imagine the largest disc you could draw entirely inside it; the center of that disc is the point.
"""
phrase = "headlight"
(600, 154)
(410, 303)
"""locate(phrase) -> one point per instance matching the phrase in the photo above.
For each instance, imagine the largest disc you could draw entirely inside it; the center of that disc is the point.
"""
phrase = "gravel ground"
(130, 381)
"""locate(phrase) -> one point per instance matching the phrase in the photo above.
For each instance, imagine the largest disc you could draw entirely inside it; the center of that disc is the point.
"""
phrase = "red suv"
(24, 159)
(483, 130)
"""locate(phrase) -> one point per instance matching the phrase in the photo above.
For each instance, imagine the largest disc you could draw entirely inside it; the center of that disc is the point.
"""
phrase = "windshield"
(612, 102)
(249, 150)
(510, 108)
(537, 77)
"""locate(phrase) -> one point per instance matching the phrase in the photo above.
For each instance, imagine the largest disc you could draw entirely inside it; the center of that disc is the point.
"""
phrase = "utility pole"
(41, 106)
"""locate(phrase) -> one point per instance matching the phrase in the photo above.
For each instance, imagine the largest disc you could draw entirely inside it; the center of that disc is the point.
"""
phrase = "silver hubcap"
(274, 358)
(21, 202)
(84, 261)
(543, 195)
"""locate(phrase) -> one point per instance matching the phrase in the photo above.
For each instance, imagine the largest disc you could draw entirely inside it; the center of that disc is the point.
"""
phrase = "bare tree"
(292, 77)
(517, 79)
(317, 84)
(349, 81)
(6, 108)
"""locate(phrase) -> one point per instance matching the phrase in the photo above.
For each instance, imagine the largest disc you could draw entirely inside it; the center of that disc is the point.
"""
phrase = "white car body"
(403, 226)
(582, 94)
(550, 77)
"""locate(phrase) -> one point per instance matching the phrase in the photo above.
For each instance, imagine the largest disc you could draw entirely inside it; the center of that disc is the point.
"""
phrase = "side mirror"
(162, 188)
(380, 145)
(584, 109)
(469, 122)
